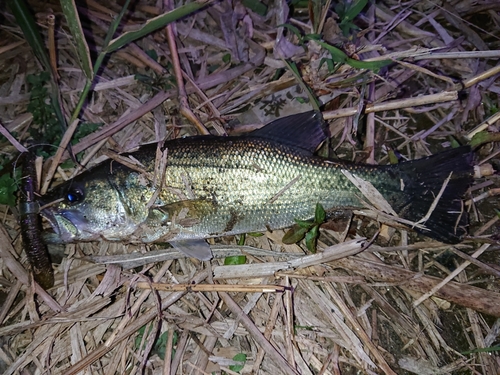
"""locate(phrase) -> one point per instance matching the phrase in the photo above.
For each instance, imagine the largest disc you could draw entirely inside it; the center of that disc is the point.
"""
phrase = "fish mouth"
(68, 226)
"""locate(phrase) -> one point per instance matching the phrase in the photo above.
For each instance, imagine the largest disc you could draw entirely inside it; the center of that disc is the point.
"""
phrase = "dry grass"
(396, 306)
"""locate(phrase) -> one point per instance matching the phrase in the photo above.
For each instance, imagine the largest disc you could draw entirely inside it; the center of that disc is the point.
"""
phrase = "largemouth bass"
(210, 186)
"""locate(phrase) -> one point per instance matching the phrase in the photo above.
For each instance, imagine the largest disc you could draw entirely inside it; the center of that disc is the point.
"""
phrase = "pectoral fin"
(198, 249)
(184, 213)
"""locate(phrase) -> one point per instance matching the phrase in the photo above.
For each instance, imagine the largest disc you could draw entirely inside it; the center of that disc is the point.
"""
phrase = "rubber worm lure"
(31, 231)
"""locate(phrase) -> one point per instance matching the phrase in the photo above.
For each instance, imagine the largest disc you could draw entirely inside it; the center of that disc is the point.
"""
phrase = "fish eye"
(75, 195)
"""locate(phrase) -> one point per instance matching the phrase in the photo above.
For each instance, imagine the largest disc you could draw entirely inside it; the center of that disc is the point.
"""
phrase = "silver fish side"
(216, 186)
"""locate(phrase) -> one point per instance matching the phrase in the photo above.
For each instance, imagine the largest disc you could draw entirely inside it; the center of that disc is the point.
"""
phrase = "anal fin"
(198, 249)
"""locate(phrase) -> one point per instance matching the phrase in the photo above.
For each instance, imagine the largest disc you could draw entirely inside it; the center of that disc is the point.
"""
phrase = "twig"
(51, 20)
(131, 164)
(137, 305)
(331, 253)
(370, 192)
(212, 287)
(483, 266)
(360, 332)
(257, 334)
(285, 188)
(423, 70)
(442, 97)
(174, 55)
(435, 201)
(271, 322)
(462, 294)
(370, 127)
(6, 251)
(159, 174)
(12, 140)
(7, 303)
(484, 125)
(125, 330)
(58, 156)
(451, 276)
(206, 101)
(168, 352)
(481, 77)
(444, 120)
(108, 130)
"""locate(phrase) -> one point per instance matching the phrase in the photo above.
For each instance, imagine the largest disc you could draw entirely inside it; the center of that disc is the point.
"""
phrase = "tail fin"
(423, 179)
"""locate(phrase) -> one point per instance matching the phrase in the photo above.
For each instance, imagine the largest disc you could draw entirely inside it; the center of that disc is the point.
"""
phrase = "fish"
(186, 190)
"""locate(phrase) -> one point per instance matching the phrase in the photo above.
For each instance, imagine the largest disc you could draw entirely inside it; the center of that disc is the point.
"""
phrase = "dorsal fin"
(304, 130)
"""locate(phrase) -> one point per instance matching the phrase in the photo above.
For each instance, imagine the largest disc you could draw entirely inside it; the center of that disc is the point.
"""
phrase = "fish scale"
(249, 180)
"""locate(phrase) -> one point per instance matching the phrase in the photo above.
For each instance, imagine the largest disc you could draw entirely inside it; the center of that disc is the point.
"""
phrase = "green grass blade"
(29, 28)
(112, 29)
(341, 57)
(75, 28)
(295, 71)
(28, 25)
(156, 23)
(354, 9)
(100, 58)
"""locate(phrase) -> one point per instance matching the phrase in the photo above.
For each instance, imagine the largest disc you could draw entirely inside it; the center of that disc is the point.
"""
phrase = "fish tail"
(433, 189)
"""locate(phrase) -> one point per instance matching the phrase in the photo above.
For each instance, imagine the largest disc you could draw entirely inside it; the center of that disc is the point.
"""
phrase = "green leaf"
(140, 334)
(341, 57)
(161, 344)
(354, 9)
(484, 137)
(311, 238)
(255, 234)
(235, 260)
(347, 12)
(313, 36)
(153, 54)
(483, 350)
(329, 64)
(8, 189)
(241, 240)
(240, 357)
(295, 71)
(84, 129)
(453, 141)
(307, 224)
(294, 30)
(256, 6)
(155, 23)
(393, 159)
(294, 235)
(319, 214)
(75, 27)
(67, 164)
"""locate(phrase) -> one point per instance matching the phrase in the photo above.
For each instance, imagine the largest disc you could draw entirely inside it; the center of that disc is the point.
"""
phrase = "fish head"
(88, 208)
